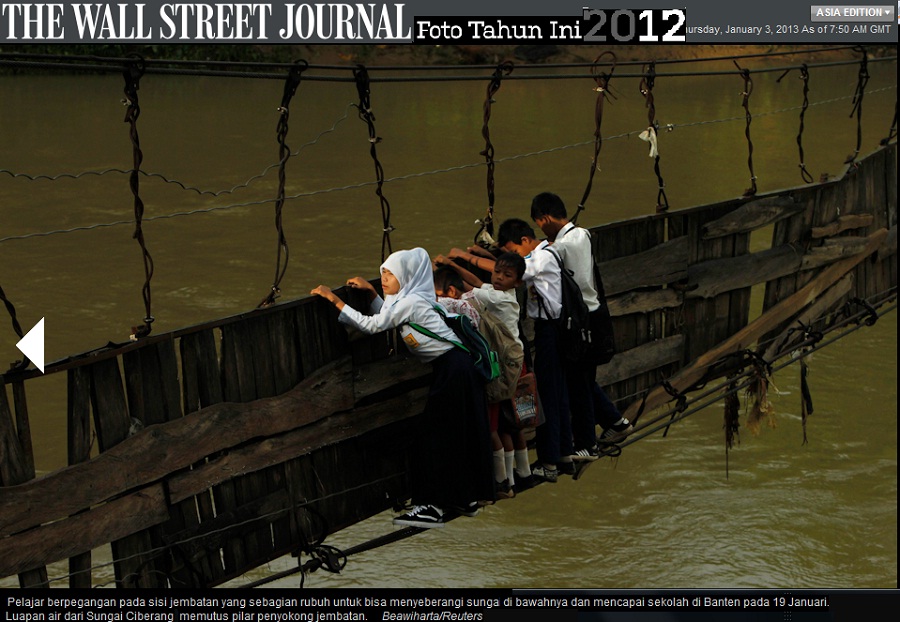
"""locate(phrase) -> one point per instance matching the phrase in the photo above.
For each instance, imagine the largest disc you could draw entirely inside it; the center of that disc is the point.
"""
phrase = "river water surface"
(664, 514)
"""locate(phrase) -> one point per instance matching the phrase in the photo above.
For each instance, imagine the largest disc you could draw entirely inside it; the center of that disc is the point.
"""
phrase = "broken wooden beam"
(751, 216)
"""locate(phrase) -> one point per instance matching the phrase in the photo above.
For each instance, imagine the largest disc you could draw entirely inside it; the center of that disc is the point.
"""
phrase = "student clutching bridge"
(451, 468)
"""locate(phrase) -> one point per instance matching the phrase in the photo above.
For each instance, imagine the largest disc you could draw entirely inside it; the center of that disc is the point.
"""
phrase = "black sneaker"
(470, 509)
(424, 516)
(502, 490)
(566, 468)
(616, 433)
(586, 455)
(524, 482)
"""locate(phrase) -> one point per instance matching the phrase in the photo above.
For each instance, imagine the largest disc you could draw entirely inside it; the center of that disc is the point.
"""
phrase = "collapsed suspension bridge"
(258, 434)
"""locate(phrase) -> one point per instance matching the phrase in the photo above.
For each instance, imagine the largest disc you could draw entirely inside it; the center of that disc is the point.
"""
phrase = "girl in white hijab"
(451, 461)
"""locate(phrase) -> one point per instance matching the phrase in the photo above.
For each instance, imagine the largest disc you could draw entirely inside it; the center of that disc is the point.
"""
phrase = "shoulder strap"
(421, 329)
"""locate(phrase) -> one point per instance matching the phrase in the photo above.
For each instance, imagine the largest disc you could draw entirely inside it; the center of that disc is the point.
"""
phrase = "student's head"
(448, 283)
(516, 236)
(508, 272)
(549, 213)
(407, 270)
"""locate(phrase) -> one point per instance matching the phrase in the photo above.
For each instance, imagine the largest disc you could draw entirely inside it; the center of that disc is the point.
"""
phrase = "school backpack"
(470, 340)
(574, 320)
(509, 351)
(603, 343)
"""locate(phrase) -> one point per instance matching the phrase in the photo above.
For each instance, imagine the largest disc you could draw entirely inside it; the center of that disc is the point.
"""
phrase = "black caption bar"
(593, 26)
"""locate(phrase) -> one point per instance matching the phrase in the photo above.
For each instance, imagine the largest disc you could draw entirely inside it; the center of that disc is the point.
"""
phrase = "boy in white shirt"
(590, 405)
(542, 277)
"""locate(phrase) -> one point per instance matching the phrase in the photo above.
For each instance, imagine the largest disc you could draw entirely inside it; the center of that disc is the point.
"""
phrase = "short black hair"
(548, 204)
(513, 230)
(514, 261)
(445, 276)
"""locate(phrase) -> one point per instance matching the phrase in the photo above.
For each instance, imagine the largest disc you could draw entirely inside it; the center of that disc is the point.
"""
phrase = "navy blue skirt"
(451, 458)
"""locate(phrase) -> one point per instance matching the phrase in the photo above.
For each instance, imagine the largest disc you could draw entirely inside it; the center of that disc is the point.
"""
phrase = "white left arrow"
(32, 345)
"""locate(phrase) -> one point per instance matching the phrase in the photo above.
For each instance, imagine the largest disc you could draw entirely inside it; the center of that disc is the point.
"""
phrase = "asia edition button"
(852, 13)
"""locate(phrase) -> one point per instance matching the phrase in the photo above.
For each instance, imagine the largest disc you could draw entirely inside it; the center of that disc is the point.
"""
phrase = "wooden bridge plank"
(78, 418)
(708, 279)
(662, 264)
(82, 532)
(751, 216)
(247, 372)
(278, 449)
(202, 386)
(112, 422)
(16, 463)
(165, 448)
(12, 458)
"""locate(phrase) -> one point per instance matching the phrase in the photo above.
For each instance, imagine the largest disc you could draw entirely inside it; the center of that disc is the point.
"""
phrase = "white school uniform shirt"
(413, 303)
(504, 305)
(573, 245)
(543, 279)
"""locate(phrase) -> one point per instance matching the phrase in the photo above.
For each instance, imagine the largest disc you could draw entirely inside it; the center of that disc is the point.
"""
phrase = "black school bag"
(574, 322)
(603, 343)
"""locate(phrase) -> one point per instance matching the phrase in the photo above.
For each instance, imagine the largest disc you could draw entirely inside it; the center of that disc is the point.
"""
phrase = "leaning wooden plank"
(65, 538)
(641, 359)
(711, 278)
(827, 301)
(167, 447)
(843, 223)
(747, 336)
(275, 450)
(664, 263)
(753, 215)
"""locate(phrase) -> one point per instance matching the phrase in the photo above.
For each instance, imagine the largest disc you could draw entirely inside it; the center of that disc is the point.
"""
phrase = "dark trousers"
(581, 384)
(589, 404)
(554, 436)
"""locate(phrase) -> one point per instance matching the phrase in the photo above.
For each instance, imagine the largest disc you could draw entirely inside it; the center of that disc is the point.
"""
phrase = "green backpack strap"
(421, 329)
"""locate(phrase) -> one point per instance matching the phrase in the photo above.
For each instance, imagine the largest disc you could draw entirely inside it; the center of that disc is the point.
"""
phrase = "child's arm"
(326, 293)
(467, 276)
(480, 251)
(482, 263)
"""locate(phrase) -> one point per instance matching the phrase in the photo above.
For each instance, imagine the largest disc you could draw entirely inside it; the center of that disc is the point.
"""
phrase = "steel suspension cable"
(132, 74)
(652, 133)
(745, 102)
(804, 75)
(284, 153)
(361, 76)
(485, 233)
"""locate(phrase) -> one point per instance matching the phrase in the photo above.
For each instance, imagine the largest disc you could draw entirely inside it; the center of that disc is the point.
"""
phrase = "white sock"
(499, 466)
(509, 458)
(523, 467)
